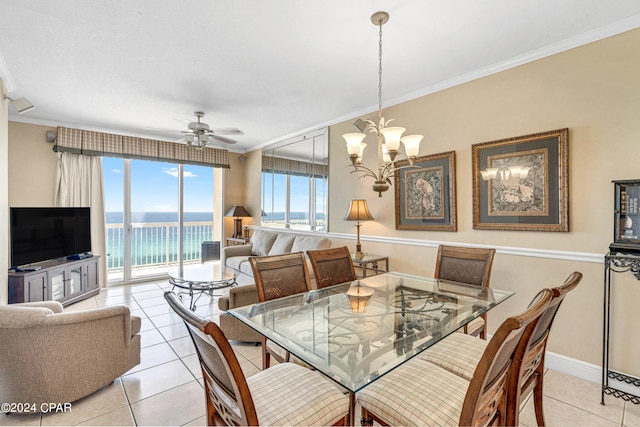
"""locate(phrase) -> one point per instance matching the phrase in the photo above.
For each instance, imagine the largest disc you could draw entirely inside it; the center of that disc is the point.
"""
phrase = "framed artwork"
(522, 183)
(426, 193)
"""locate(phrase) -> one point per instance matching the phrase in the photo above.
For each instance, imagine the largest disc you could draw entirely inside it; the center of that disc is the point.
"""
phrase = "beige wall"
(592, 90)
(33, 166)
(4, 195)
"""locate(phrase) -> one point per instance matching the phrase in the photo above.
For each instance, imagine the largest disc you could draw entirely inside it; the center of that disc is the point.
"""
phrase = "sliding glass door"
(157, 216)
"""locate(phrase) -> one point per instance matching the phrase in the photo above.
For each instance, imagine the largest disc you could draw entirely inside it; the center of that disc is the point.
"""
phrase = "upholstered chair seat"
(417, 393)
(305, 398)
(457, 353)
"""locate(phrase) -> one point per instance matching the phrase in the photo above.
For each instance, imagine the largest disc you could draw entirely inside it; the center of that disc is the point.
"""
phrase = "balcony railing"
(156, 243)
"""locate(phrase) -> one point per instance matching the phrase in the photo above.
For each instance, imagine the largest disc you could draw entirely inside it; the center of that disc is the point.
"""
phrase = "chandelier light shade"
(359, 297)
(238, 212)
(358, 211)
(389, 137)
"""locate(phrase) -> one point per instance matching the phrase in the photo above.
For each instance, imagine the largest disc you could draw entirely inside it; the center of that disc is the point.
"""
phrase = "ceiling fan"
(200, 135)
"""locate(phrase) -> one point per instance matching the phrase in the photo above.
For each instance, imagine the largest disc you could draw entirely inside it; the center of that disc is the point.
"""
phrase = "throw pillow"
(261, 242)
(305, 243)
(282, 245)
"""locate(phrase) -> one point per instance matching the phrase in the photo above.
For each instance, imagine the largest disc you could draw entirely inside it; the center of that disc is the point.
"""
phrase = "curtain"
(79, 184)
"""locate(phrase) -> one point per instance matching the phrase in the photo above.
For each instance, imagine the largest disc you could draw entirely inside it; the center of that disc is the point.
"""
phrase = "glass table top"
(355, 332)
(203, 273)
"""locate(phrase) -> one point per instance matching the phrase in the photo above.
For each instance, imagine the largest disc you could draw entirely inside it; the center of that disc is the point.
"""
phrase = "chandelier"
(389, 138)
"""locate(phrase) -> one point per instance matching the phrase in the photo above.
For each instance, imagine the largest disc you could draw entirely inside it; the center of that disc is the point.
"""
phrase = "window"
(150, 228)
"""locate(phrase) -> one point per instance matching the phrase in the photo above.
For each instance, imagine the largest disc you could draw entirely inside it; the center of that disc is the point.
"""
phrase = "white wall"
(4, 195)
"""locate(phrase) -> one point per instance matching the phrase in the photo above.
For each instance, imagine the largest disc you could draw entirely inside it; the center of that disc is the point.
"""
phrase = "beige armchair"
(51, 356)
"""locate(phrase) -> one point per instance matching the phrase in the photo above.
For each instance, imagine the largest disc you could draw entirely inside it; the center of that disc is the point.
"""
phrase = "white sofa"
(268, 242)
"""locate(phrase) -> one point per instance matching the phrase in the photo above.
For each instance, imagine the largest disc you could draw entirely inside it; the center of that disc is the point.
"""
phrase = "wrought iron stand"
(617, 263)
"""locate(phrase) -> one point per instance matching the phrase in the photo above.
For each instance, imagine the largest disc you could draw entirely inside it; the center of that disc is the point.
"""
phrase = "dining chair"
(422, 393)
(466, 265)
(332, 266)
(287, 394)
(460, 354)
(279, 276)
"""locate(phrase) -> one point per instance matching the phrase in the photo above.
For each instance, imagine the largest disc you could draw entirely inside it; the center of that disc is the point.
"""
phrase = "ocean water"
(154, 236)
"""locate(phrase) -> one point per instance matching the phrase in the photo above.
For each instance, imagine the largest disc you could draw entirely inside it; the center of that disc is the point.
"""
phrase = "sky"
(154, 186)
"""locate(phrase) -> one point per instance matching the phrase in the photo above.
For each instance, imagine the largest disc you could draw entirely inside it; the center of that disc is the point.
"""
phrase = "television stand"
(63, 280)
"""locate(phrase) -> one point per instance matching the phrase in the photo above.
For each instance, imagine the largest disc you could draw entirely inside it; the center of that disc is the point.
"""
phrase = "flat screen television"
(41, 234)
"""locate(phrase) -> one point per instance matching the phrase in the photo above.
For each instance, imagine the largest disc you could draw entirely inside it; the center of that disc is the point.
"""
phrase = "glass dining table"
(357, 331)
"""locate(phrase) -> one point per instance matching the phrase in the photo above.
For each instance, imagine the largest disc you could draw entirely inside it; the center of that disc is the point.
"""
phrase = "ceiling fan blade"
(216, 138)
(227, 131)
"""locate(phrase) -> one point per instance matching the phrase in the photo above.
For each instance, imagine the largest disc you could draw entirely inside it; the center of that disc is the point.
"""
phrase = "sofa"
(49, 355)
(262, 243)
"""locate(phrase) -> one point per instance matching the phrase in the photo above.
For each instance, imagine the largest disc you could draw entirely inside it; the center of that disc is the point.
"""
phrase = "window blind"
(92, 143)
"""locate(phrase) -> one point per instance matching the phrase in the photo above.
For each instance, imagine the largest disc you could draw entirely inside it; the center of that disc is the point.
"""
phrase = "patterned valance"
(91, 143)
(282, 165)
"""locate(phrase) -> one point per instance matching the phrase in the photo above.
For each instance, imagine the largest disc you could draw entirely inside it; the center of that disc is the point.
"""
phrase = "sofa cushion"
(305, 243)
(235, 261)
(262, 241)
(282, 244)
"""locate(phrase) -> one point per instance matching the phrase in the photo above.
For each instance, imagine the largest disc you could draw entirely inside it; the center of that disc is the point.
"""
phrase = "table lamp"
(358, 211)
(238, 211)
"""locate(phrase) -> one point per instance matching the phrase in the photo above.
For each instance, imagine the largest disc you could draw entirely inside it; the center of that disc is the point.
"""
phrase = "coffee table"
(199, 279)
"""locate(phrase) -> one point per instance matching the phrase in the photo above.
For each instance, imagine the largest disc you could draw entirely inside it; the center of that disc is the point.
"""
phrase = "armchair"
(48, 355)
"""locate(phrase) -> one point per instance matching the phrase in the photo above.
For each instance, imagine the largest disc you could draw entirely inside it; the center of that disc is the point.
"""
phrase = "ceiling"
(273, 69)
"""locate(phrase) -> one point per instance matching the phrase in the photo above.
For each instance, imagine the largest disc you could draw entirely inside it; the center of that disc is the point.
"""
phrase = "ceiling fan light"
(189, 139)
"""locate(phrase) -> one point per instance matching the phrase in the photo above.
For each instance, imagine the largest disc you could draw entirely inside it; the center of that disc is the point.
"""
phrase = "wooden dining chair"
(287, 394)
(279, 276)
(421, 393)
(460, 354)
(466, 265)
(332, 266)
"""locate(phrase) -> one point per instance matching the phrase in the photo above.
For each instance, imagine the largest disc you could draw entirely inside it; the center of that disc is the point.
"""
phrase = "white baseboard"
(577, 368)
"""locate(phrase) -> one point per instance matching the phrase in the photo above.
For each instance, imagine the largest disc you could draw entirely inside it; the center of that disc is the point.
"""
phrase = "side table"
(616, 383)
(371, 263)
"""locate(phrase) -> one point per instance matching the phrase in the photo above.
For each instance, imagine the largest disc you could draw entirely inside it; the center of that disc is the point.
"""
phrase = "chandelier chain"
(380, 72)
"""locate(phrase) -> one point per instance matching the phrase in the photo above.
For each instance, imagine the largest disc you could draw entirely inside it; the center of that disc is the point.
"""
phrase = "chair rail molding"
(596, 258)
(590, 257)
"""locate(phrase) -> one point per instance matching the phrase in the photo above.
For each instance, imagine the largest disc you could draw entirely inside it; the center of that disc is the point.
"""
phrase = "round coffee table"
(200, 279)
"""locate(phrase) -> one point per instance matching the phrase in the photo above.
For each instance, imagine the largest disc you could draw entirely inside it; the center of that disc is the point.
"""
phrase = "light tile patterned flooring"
(165, 388)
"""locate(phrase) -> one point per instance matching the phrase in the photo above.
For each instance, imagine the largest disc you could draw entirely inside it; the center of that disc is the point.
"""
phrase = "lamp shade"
(358, 211)
(237, 211)
(359, 297)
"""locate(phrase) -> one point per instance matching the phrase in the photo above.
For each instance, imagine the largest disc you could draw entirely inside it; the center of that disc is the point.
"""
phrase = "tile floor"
(165, 388)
